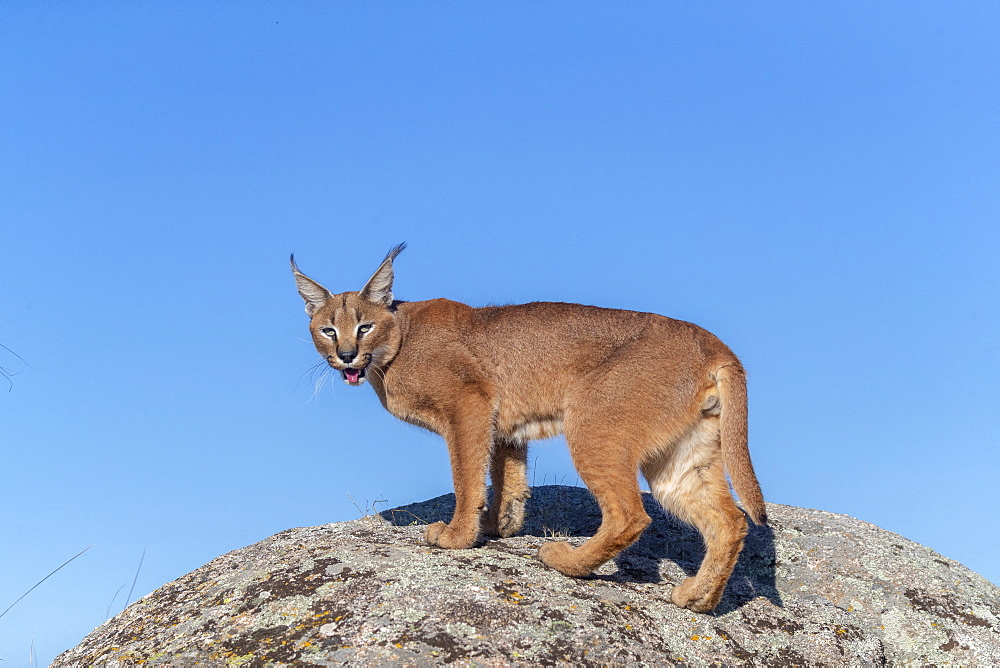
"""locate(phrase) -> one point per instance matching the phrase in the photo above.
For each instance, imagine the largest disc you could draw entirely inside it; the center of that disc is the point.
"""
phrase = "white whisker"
(318, 374)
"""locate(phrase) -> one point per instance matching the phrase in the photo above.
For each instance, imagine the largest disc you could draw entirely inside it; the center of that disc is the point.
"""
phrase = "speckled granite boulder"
(812, 589)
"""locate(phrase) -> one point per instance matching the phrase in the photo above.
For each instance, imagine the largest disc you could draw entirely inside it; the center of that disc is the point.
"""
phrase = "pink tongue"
(352, 375)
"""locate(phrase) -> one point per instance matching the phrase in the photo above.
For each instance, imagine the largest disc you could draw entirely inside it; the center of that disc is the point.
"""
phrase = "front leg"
(469, 439)
(508, 472)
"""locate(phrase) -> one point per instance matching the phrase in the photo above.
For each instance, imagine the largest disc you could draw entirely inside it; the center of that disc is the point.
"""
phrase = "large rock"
(812, 589)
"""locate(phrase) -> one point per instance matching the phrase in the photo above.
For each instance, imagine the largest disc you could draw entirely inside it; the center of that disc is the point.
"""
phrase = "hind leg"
(610, 474)
(690, 482)
(508, 474)
(723, 528)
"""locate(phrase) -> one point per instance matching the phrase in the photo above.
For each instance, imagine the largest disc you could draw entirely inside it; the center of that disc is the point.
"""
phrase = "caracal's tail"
(732, 383)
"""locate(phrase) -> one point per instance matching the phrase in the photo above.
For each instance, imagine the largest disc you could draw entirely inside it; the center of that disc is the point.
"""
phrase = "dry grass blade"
(44, 579)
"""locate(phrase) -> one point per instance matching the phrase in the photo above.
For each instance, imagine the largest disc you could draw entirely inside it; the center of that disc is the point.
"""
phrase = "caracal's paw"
(506, 522)
(563, 557)
(695, 596)
(443, 535)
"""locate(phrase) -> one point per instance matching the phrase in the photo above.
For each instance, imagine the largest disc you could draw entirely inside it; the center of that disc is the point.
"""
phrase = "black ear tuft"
(395, 251)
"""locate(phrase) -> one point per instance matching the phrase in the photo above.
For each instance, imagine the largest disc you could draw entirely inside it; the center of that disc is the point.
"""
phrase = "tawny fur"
(631, 391)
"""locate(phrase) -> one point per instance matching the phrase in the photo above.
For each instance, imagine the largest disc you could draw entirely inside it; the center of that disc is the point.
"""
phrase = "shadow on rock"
(555, 511)
(754, 574)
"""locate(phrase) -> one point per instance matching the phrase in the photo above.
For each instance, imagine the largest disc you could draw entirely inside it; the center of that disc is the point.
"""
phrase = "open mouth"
(353, 376)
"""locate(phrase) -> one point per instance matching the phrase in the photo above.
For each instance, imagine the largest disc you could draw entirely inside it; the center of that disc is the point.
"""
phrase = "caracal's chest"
(517, 414)
(410, 400)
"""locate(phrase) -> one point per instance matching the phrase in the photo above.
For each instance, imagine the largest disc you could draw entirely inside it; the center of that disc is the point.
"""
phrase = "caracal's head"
(355, 332)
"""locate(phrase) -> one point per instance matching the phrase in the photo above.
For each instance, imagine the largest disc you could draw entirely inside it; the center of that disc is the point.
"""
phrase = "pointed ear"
(378, 289)
(314, 294)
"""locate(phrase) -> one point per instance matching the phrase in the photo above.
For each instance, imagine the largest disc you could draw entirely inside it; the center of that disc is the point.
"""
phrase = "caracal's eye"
(329, 331)
(364, 329)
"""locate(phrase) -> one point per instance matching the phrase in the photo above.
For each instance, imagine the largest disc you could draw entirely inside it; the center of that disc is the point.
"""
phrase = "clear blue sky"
(816, 183)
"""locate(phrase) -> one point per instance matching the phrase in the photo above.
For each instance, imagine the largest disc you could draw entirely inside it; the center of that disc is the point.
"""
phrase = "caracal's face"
(354, 335)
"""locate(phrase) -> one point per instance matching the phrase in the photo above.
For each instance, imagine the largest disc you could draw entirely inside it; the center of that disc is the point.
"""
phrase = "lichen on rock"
(812, 588)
